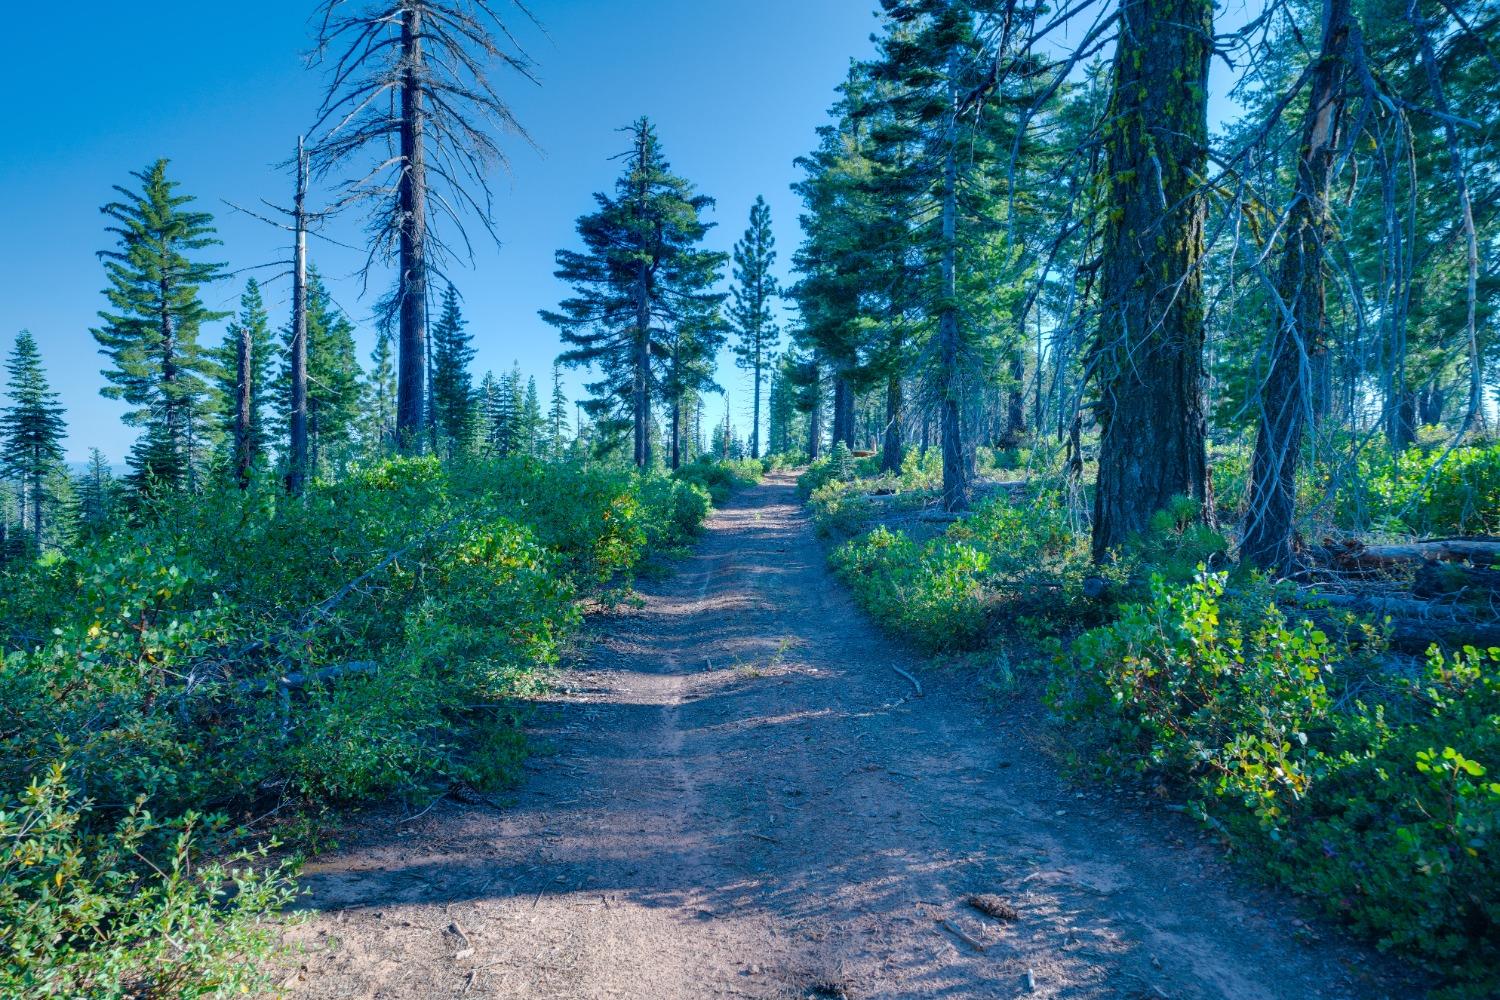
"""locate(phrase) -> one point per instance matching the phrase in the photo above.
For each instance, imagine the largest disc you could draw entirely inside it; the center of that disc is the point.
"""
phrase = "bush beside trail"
(224, 668)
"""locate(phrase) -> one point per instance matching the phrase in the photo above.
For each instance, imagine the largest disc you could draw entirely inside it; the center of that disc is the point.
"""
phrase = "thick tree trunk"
(411, 389)
(891, 453)
(1299, 344)
(297, 453)
(1150, 349)
(815, 418)
(1015, 404)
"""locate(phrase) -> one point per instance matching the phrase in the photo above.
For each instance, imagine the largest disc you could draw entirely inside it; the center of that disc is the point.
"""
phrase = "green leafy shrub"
(931, 594)
(248, 653)
(720, 478)
(1423, 490)
(1384, 811)
(130, 910)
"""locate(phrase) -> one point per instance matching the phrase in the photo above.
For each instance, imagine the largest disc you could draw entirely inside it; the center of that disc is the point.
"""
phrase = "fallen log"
(1412, 625)
(1354, 554)
(298, 680)
(1449, 579)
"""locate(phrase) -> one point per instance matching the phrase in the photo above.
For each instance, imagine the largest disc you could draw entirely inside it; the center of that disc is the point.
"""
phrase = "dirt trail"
(746, 801)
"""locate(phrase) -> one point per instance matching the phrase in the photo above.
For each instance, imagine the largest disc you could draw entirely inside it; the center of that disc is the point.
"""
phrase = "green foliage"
(408, 604)
(1424, 491)
(718, 478)
(949, 593)
(1383, 811)
(130, 909)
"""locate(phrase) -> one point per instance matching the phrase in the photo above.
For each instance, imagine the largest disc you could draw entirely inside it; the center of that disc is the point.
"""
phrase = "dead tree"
(1299, 340)
(1149, 351)
(409, 89)
(296, 474)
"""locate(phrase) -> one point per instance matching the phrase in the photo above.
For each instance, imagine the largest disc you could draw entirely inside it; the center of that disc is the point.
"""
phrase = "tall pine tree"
(750, 312)
(150, 334)
(638, 277)
(31, 430)
(453, 401)
(249, 334)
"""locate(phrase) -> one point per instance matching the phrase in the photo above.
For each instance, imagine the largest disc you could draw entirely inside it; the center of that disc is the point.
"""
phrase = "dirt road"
(746, 800)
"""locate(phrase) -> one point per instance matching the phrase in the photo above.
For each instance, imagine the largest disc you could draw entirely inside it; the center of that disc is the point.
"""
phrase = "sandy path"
(746, 803)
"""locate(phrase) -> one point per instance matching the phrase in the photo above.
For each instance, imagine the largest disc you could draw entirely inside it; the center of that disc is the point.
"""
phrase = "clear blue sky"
(737, 90)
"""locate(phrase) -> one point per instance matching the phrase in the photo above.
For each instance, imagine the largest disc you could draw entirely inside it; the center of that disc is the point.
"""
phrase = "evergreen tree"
(639, 276)
(754, 291)
(557, 418)
(31, 430)
(97, 495)
(151, 333)
(252, 325)
(506, 414)
(380, 392)
(453, 401)
(532, 422)
(334, 379)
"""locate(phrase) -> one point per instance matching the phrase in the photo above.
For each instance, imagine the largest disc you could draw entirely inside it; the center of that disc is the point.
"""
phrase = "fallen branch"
(914, 682)
(961, 934)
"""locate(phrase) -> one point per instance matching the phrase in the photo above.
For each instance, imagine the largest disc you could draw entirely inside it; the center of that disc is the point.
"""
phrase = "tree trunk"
(1299, 342)
(296, 475)
(641, 400)
(755, 428)
(1474, 414)
(242, 396)
(815, 417)
(891, 455)
(955, 472)
(411, 390)
(676, 434)
(1151, 334)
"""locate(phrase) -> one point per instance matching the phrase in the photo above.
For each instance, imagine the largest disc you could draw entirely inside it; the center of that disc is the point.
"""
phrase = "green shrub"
(1384, 811)
(248, 653)
(1423, 490)
(131, 910)
(720, 478)
(932, 595)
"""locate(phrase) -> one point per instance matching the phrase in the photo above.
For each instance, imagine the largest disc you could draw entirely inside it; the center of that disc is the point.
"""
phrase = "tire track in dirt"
(745, 801)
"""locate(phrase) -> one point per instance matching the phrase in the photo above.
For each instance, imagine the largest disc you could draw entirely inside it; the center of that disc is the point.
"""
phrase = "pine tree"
(557, 418)
(1149, 346)
(639, 276)
(505, 416)
(452, 384)
(97, 495)
(755, 289)
(151, 334)
(380, 393)
(532, 422)
(31, 429)
(334, 379)
(250, 445)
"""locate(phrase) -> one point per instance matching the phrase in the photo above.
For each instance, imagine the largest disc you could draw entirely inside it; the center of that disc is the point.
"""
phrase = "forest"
(1133, 368)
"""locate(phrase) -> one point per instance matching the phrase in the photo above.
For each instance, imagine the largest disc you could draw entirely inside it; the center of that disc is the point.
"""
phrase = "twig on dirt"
(424, 812)
(761, 836)
(993, 906)
(457, 928)
(961, 934)
(916, 684)
(1030, 980)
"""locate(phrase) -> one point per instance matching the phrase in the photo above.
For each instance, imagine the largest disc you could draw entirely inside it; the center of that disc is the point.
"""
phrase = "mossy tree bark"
(1149, 351)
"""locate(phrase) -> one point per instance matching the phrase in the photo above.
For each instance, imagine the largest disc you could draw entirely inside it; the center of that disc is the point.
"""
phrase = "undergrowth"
(227, 667)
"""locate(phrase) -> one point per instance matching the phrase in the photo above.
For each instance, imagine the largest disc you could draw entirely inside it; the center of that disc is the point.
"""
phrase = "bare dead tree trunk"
(1149, 354)
(1474, 414)
(297, 455)
(1299, 341)
(411, 389)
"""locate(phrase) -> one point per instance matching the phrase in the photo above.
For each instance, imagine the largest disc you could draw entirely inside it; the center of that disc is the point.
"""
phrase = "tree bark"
(297, 454)
(1149, 352)
(891, 454)
(243, 391)
(411, 389)
(955, 471)
(1299, 341)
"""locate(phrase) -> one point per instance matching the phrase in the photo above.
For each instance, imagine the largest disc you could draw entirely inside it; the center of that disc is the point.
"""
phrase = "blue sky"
(737, 90)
